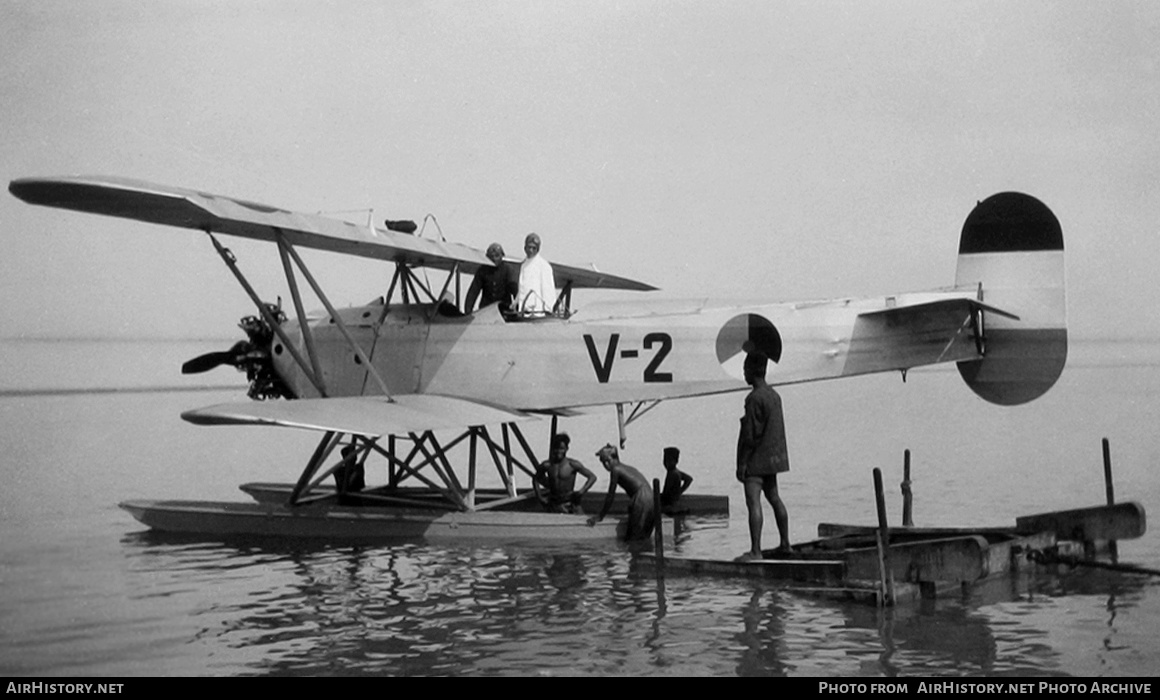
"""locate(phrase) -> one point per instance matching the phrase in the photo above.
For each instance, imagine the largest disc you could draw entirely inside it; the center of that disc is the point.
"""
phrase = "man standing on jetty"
(762, 455)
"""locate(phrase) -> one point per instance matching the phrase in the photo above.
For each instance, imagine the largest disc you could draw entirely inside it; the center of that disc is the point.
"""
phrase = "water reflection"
(400, 609)
(762, 637)
(280, 608)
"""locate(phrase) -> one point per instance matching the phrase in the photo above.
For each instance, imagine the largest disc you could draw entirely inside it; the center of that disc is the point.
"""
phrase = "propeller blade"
(206, 362)
(211, 360)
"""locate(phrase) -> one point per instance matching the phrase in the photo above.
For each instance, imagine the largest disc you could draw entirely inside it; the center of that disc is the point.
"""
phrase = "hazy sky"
(754, 149)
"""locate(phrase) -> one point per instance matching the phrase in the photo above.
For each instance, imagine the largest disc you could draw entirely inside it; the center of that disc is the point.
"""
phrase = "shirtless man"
(557, 477)
(642, 506)
(676, 481)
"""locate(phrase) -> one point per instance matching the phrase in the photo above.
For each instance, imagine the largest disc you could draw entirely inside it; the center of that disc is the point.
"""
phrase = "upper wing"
(912, 335)
(581, 278)
(360, 415)
(176, 206)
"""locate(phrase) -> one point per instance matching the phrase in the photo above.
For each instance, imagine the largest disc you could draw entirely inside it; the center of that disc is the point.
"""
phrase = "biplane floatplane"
(386, 377)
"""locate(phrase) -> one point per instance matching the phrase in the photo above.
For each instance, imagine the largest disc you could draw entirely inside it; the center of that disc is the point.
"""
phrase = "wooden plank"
(949, 559)
(1009, 554)
(1121, 521)
(813, 571)
(828, 530)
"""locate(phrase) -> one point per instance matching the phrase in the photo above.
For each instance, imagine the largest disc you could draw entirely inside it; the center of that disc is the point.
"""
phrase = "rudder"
(1011, 250)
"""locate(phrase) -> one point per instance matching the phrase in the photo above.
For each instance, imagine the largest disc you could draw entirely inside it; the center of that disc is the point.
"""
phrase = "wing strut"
(979, 327)
(307, 334)
(313, 370)
(285, 249)
(974, 321)
(325, 447)
(231, 263)
(638, 411)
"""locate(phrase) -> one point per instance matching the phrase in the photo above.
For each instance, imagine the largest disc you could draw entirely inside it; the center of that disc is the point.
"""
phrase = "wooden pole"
(907, 497)
(1111, 492)
(471, 468)
(885, 573)
(659, 539)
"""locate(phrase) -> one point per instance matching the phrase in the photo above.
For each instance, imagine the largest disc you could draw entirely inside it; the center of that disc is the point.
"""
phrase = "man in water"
(497, 285)
(762, 455)
(349, 475)
(642, 506)
(537, 287)
(557, 477)
(676, 481)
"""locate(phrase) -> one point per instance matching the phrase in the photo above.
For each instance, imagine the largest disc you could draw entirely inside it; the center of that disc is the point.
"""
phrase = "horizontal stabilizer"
(185, 208)
(953, 308)
(360, 415)
(913, 335)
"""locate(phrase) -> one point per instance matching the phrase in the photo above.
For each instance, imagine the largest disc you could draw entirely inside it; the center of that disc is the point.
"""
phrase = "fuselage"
(613, 353)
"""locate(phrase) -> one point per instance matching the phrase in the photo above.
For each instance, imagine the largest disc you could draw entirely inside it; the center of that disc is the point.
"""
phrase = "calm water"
(84, 590)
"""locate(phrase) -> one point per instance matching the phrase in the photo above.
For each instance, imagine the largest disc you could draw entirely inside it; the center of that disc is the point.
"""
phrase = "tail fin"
(1011, 250)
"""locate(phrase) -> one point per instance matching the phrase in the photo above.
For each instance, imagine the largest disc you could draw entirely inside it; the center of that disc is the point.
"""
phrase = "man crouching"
(555, 480)
(642, 504)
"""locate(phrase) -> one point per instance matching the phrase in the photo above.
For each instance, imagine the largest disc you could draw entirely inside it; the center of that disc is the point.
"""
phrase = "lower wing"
(361, 415)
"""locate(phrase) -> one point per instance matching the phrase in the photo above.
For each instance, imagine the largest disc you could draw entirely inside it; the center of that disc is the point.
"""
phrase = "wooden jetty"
(847, 562)
(890, 565)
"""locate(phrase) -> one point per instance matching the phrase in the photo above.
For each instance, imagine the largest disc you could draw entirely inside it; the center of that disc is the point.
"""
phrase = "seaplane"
(436, 397)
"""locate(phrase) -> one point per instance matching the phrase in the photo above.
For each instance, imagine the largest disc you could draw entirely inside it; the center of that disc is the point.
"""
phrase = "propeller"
(212, 360)
(251, 356)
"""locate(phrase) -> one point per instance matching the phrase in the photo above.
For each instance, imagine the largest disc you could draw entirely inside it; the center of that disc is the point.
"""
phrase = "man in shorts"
(555, 481)
(762, 455)
(642, 510)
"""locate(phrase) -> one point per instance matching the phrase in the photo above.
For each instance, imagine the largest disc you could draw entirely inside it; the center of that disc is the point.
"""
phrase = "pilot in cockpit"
(493, 285)
(537, 288)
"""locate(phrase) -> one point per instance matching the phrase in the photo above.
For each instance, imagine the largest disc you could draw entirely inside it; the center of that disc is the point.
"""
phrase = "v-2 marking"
(652, 374)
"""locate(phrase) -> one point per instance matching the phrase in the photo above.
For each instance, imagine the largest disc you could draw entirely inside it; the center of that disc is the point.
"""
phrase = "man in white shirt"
(537, 291)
